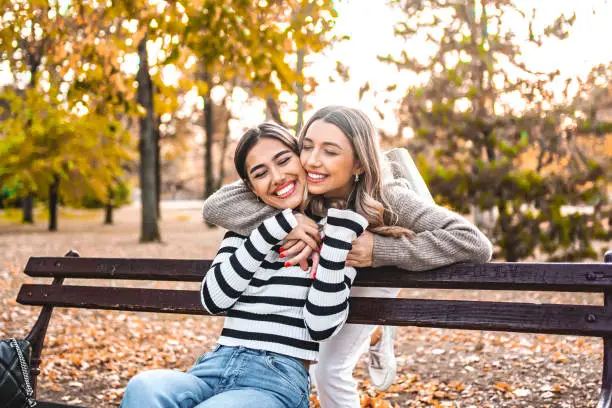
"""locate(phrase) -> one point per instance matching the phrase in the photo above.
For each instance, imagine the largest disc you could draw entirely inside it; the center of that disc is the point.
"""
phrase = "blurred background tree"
(491, 134)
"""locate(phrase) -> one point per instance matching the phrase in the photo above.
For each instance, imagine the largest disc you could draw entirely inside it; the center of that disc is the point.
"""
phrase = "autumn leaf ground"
(90, 355)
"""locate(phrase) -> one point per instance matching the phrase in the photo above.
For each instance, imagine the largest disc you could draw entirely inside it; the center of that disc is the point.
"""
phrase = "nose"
(311, 159)
(277, 176)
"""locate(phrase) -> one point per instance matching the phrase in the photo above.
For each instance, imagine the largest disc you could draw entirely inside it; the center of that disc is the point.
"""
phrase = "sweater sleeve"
(327, 305)
(237, 260)
(235, 208)
(442, 237)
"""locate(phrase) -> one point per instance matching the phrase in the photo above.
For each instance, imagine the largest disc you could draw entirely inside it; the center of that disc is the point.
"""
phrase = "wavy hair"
(367, 195)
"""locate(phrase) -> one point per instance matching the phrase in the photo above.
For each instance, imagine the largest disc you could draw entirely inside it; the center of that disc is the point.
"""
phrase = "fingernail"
(287, 264)
(281, 249)
(282, 255)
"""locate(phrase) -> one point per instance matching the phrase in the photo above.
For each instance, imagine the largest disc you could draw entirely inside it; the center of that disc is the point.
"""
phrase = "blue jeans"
(226, 377)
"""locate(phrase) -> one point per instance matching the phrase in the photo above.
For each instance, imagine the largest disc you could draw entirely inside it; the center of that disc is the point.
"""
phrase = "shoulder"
(232, 239)
(232, 234)
(404, 201)
(397, 190)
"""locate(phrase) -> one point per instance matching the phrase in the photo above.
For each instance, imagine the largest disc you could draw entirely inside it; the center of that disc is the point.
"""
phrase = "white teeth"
(285, 190)
(316, 176)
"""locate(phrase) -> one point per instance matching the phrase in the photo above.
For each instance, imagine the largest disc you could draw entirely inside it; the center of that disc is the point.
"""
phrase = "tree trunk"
(28, 201)
(53, 199)
(149, 231)
(224, 144)
(300, 92)
(108, 208)
(108, 214)
(157, 167)
(209, 181)
(28, 209)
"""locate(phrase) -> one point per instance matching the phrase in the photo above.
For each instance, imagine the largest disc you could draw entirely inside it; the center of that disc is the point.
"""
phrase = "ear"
(357, 168)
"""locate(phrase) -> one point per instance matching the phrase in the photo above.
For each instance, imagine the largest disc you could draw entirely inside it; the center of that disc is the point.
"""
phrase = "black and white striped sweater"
(277, 308)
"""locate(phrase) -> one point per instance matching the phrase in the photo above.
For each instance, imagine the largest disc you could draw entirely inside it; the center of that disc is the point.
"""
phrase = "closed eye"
(284, 160)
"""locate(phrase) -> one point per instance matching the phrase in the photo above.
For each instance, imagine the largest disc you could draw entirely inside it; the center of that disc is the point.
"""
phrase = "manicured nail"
(287, 264)
(320, 247)
(282, 255)
(281, 249)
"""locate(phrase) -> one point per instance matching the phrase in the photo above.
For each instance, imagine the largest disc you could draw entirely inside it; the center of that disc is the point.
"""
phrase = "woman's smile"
(316, 177)
(285, 190)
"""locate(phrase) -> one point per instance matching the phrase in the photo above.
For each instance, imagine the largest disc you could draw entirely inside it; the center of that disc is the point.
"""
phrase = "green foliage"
(526, 168)
(120, 196)
(41, 139)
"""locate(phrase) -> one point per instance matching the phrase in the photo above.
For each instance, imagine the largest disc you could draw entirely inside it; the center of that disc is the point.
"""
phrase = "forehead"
(323, 132)
(264, 151)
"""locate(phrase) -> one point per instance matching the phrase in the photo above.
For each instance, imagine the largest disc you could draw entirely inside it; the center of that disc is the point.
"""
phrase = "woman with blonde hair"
(340, 153)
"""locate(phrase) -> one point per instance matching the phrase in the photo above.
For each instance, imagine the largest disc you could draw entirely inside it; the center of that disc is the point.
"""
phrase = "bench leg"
(605, 398)
(36, 337)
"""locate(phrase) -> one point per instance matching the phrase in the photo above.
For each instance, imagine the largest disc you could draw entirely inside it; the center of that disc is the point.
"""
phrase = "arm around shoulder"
(235, 208)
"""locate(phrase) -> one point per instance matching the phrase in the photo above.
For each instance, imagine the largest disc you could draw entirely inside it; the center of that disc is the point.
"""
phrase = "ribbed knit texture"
(277, 308)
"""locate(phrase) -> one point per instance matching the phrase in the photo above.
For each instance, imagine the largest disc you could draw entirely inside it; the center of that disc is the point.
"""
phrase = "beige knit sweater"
(441, 237)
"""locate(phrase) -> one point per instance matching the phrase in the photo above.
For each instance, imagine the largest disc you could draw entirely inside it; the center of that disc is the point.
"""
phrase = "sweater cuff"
(276, 228)
(345, 225)
(386, 250)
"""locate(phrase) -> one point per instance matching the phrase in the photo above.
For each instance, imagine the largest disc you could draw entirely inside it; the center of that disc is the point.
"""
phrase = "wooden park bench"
(564, 319)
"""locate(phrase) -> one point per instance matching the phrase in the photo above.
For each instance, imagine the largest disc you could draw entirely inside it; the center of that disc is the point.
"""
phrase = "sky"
(369, 23)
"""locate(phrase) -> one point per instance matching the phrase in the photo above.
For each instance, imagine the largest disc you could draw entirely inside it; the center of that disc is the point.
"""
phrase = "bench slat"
(567, 277)
(180, 270)
(455, 314)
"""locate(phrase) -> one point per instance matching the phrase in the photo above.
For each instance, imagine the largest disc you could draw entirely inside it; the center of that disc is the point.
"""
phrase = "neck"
(341, 200)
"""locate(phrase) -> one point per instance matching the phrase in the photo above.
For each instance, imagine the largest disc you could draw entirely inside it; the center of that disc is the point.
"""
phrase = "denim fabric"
(228, 377)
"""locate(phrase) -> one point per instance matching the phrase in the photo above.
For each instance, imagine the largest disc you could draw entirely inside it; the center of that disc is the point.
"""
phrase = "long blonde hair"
(368, 196)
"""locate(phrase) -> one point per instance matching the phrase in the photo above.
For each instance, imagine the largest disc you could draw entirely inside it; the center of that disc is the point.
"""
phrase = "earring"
(356, 178)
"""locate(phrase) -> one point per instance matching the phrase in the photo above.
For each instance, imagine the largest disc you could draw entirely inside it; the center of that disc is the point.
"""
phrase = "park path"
(90, 355)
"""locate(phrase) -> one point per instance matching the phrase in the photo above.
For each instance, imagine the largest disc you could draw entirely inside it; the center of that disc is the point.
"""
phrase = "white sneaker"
(381, 364)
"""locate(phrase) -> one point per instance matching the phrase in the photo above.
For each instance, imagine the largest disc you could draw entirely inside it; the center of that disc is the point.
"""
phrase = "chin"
(316, 189)
(284, 204)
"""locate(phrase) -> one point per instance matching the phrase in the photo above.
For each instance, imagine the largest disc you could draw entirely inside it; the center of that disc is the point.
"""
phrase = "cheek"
(348, 162)
(259, 187)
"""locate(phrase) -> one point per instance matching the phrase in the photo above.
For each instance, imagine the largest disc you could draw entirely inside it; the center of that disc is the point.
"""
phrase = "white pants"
(333, 374)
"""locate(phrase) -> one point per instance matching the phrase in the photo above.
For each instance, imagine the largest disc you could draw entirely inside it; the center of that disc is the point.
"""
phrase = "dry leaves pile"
(90, 355)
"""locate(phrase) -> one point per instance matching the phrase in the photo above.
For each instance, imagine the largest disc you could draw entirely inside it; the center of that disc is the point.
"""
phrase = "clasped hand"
(304, 241)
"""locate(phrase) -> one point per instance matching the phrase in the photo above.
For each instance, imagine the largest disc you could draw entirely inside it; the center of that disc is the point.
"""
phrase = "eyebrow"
(276, 156)
(324, 143)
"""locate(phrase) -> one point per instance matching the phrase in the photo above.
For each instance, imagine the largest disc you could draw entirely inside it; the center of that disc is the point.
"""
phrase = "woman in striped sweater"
(276, 312)
(340, 153)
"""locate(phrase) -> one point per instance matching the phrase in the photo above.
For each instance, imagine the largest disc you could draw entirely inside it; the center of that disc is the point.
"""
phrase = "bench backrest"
(460, 314)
